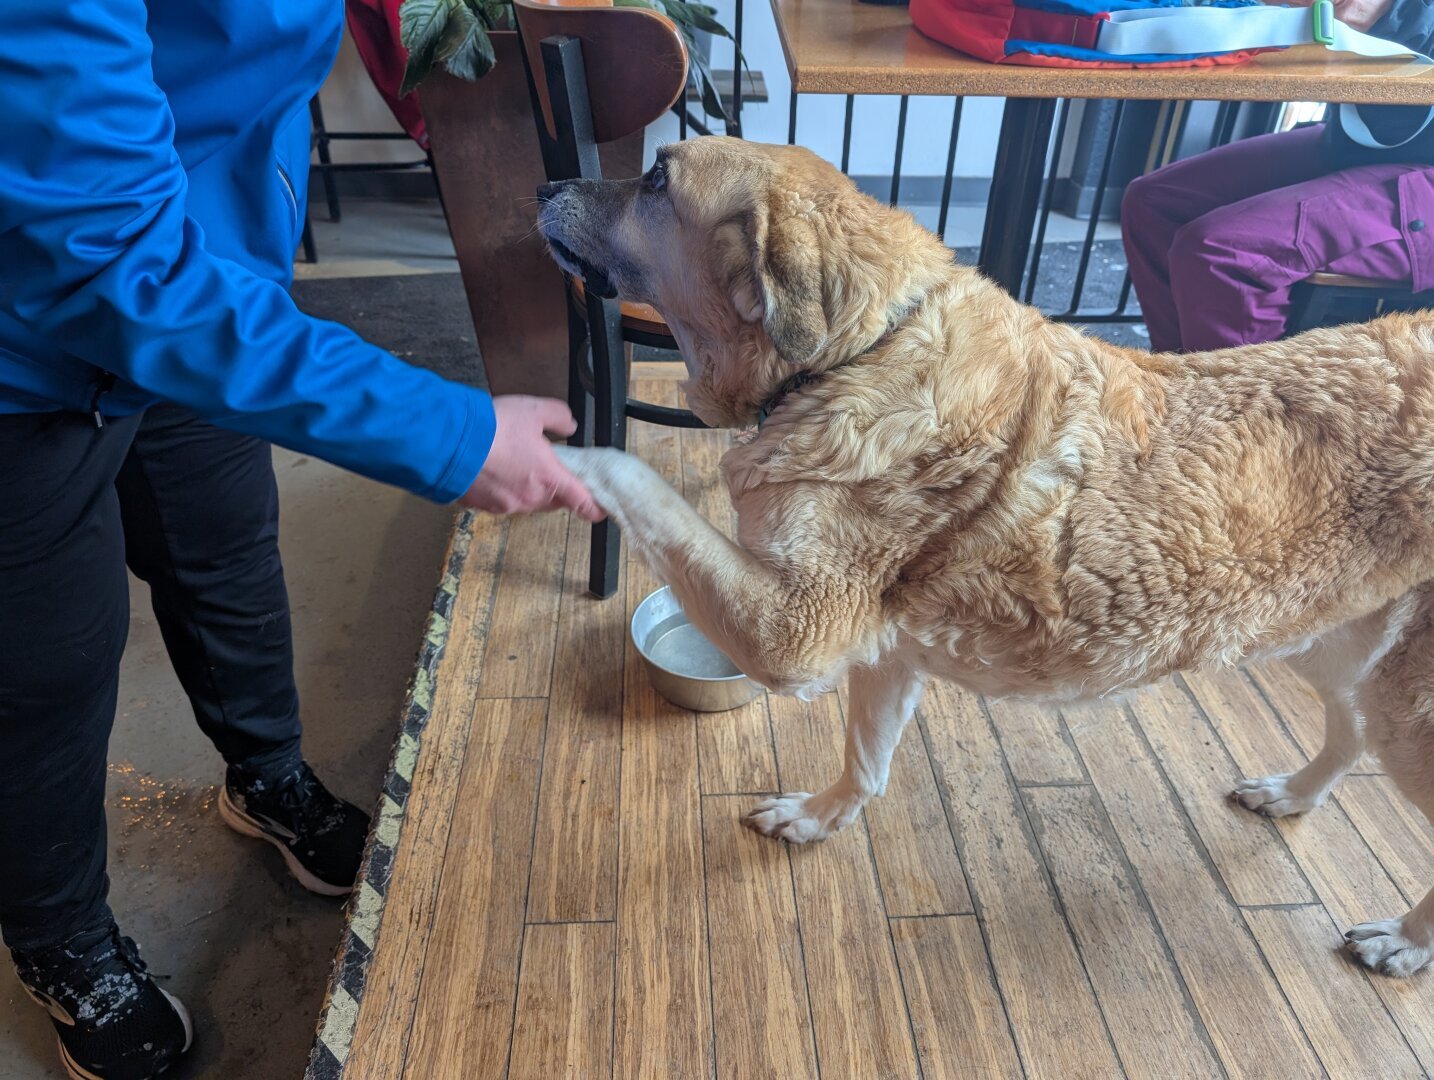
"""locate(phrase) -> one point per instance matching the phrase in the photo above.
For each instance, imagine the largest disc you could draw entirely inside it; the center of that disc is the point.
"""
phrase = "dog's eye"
(657, 177)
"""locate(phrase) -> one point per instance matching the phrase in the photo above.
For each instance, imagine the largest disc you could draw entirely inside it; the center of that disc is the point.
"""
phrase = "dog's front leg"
(882, 701)
(742, 605)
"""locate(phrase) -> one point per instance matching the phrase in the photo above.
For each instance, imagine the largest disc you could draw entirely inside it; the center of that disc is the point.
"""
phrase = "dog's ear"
(783, 288)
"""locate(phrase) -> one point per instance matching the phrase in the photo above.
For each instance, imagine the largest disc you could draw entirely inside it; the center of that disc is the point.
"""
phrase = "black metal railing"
(1168, 141)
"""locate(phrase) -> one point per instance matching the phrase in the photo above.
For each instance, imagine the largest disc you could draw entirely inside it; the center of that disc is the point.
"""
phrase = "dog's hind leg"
(1332, 665)
(882, 700)
(1296, 792)
(1398, 699)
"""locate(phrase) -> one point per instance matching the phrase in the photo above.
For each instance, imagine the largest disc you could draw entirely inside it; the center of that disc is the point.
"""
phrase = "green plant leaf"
(467, 51)
(496, 14)
(455, 34)
(691, 17)
(699, 16)
(421, 26)
(711, 99)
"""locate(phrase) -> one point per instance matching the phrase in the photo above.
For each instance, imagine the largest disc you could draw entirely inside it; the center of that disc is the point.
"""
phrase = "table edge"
(1002, 81)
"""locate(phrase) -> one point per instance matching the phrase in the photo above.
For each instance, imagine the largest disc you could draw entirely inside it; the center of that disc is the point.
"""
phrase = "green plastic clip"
(1322, 14)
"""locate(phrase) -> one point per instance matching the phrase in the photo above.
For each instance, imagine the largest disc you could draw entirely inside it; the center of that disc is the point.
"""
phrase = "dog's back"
(1140, 515)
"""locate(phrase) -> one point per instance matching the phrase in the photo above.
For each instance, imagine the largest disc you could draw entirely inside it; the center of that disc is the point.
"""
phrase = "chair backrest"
(596, 73)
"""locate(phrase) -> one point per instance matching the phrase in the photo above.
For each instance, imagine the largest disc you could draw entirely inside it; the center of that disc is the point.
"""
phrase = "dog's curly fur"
(970, 491)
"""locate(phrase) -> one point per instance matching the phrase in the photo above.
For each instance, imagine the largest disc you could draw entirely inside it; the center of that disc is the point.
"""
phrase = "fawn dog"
(947, 484)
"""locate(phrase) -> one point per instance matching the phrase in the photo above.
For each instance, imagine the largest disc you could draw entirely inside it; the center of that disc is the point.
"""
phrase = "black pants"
(193, 510)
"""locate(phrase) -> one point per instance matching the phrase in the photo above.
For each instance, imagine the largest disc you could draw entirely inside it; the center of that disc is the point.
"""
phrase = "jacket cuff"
(479, 426)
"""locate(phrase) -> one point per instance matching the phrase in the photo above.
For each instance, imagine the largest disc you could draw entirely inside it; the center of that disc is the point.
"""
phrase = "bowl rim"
(642, 651)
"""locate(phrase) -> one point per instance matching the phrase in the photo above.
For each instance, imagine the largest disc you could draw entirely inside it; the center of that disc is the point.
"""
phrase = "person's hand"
(522, 474)
(1356, 14)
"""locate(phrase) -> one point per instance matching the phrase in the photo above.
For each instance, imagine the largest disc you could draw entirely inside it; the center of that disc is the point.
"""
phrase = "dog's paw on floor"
(1273, 797)
(1381, 946)
(790, 817)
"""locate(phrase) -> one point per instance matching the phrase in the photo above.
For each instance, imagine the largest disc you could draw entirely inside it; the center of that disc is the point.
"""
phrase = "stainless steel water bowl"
(683, 666)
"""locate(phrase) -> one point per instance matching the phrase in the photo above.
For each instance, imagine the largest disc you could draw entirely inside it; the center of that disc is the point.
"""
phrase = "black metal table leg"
(1016, 190)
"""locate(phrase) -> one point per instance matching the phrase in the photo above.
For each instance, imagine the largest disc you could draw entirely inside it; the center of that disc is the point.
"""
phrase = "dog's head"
(764, 260)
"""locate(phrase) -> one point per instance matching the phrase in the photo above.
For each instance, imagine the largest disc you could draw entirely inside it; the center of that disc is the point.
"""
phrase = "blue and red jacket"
(153, 164)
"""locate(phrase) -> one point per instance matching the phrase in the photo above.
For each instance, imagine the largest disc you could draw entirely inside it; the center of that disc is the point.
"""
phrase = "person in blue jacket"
(153, 163)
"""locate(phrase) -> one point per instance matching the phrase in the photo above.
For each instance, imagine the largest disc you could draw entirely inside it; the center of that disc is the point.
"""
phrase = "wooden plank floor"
(1041, 893)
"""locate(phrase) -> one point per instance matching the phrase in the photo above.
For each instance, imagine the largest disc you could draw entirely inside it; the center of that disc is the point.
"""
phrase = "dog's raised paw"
(1382, 947)
(788, 817)
(1271, 796)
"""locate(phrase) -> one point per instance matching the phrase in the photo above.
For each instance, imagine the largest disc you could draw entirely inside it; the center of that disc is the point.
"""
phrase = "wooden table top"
(847, 47)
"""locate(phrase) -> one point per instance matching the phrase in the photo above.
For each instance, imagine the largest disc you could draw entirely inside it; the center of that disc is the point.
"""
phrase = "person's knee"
(61, 646)
(1140, 194)
(1148, 200)
(71, 681)
(1201, 245)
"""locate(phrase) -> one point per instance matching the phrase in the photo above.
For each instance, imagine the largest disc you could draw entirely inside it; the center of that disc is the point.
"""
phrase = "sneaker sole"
(79, 1072)
(245, 825)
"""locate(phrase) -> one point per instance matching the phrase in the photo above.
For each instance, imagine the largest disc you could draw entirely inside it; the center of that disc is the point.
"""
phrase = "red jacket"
(373, 24)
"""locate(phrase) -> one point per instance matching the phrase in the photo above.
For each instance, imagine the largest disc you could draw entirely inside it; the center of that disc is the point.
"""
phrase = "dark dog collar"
(788, 388)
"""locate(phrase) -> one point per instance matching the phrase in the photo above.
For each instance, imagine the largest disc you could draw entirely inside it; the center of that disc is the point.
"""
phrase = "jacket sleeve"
(100, 259)
(1409, 22)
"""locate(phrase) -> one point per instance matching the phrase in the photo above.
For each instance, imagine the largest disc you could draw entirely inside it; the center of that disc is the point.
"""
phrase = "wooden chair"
(597, 73)
(1325, 299)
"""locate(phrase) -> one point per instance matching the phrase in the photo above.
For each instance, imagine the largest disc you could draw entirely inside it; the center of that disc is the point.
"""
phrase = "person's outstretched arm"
(98, 256)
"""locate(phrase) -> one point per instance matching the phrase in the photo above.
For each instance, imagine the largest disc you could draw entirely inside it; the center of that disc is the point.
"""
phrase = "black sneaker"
(112, 1020)
(321, 837)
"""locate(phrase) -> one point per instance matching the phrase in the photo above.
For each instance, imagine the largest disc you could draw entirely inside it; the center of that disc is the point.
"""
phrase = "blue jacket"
(153, 163)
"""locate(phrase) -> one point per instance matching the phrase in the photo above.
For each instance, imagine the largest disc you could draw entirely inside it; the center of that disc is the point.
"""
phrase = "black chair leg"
(311, 253)
(609, 429)
(1307, 308)
(437, 187)
(579, 400)
(331, 191)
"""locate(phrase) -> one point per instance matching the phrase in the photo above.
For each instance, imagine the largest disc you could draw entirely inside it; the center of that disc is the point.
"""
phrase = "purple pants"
(1216, 241)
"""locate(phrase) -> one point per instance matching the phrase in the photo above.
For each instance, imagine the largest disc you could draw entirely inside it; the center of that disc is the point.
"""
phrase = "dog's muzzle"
(595, 278)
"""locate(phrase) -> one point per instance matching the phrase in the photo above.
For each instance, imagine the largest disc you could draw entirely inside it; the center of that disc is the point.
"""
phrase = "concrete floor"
(215, 914)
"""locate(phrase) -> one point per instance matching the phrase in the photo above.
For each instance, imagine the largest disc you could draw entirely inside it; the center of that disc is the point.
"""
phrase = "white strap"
(1184, 30)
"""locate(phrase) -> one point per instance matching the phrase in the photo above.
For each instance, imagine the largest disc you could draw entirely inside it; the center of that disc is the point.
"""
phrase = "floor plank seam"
(1257, 820)
(1332, 805)
(563, 604)
(570, 922)
(1035, 785)
(1336, 802)
(802, 952)
(1034, 843)
(1069, 740)
(707, 913)
(919, 719)
(523, 932)
(891, 941)
(1281, 907)
(628, 644)
(772, 739)
(1259, 689)
(480, 644)
(1187, 998)
(1256, 685)
(1210, 862)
